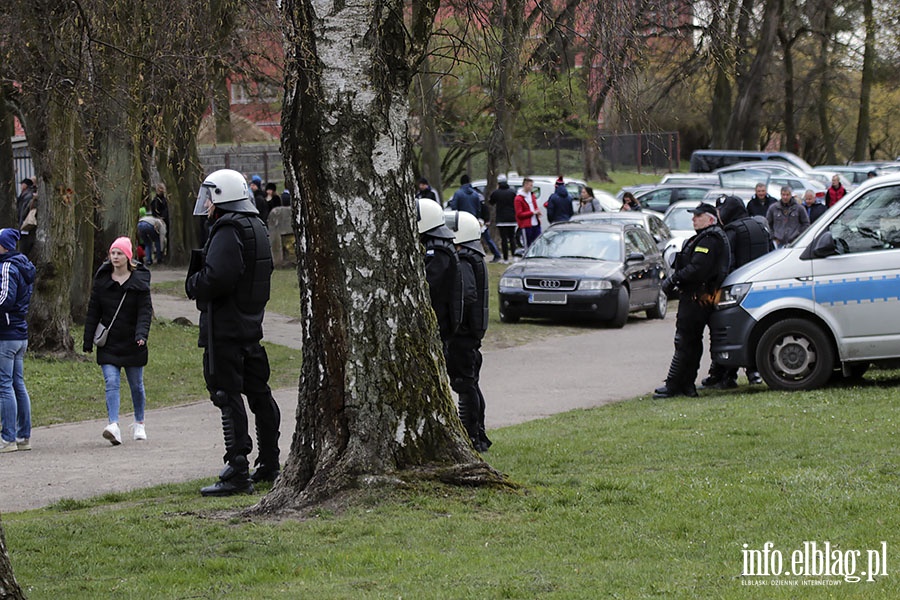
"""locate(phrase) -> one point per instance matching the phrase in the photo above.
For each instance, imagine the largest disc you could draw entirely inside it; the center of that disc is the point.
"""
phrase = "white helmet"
(431, 219)
(228, 190)
(467, 229)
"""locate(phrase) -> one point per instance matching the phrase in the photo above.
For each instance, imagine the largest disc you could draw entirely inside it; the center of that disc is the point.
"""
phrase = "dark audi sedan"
(598, 271)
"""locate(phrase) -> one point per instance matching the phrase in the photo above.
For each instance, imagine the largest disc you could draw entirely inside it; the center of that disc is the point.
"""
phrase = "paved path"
(185, 443)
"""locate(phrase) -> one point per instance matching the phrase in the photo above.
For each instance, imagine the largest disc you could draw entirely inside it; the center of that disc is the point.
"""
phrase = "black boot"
(674, 386)
(467, 405)
(234, 479)
(265, 472)
(268, 421)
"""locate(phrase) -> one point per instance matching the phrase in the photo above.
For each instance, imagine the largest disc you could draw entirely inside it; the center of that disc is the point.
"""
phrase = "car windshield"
(593, 245)
(680, 219)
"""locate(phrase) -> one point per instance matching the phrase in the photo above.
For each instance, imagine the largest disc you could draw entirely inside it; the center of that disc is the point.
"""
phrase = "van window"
(870, 224)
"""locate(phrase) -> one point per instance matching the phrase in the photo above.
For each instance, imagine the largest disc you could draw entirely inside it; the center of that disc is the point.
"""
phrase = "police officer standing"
(700, 268)
(748, 239)
(464, 348)
(231, 287)
(441, 268)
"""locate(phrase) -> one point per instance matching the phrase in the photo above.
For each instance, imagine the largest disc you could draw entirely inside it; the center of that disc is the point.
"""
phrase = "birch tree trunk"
(374, 400)
(9, 588)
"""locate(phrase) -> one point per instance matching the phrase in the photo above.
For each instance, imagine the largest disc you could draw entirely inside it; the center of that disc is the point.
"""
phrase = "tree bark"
(827, 134)
(9, 587)
(743, 128)
(863, 124)
(374, 398)
(9, 183)
(428, 98)
(790, 130)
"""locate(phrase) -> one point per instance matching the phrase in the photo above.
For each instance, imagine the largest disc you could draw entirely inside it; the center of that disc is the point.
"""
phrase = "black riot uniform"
(231, 289)
(748, 238)
(464, 347)
(444, 279)
(700, 268)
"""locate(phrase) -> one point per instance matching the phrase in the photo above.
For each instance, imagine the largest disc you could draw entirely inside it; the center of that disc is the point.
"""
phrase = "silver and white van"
(828, 301)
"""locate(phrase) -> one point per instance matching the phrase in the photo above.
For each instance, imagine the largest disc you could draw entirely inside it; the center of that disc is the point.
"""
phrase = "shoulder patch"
(701, 249)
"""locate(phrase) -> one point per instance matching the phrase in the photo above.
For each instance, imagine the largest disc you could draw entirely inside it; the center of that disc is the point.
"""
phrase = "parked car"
(706, 161)
(799, 186)
(650, 220)
(689, 178)
(786, 170)
(599, 271)
(827, 301)
(853, 175)
(659, 197)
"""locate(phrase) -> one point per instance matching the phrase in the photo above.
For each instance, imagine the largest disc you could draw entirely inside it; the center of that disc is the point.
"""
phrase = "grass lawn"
(640, 499)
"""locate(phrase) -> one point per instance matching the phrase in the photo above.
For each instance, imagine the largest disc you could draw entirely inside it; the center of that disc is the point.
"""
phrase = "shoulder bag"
(102, 331)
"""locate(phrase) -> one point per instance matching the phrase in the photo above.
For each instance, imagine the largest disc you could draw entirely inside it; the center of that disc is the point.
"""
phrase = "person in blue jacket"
(16, 285)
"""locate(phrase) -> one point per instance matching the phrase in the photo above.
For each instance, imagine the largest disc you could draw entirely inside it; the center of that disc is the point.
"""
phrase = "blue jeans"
(135, 375)
(15, 405)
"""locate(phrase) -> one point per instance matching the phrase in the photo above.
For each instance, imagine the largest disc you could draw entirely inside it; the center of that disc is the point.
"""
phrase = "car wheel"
(507, 317)
(659, 310)
(622, 305)
(795, 354)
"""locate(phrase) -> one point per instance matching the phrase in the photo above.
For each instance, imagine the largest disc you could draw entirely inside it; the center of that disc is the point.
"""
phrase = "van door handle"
(806, 278)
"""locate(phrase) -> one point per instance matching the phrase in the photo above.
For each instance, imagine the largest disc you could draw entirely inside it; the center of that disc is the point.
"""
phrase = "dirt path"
(185, 443)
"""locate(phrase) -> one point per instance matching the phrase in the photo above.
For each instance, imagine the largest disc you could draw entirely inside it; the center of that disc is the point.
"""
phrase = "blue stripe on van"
(856, 290)
(849, 290)
(760, 296)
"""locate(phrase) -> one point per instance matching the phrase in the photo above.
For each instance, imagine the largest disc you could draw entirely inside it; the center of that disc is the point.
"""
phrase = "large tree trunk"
(505, 97)
(821, 100)
(865, 90)
(430, 140)
(790, 129)
(55, 141)
(9, 183)
(743, 128)
(9, 588)
(374, 398)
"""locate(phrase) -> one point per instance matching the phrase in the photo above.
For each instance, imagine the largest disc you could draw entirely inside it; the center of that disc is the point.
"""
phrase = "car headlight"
(595, 284)
(732, 295)
(511, 282)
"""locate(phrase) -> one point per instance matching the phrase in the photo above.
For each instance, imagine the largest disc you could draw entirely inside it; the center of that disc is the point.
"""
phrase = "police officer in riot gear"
(230, 283)
(441, 268)
(464, 347)
(700, 268)
(748, 239)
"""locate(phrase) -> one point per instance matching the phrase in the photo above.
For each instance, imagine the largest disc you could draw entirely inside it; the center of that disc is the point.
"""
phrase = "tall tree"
(374, 398)
(863, 125)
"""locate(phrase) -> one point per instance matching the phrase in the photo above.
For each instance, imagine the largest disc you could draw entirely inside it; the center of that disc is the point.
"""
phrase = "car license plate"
(547, 298)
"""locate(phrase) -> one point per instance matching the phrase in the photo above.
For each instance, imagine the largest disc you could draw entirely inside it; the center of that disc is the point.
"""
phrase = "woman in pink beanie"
(120, 300)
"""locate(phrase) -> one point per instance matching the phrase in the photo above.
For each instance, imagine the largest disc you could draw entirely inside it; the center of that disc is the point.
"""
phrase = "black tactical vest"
(252, 291)
(475, 319)
(751, 240)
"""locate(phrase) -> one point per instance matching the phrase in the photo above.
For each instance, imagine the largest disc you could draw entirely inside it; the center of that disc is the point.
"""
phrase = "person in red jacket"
(528, 214)
(835, 192)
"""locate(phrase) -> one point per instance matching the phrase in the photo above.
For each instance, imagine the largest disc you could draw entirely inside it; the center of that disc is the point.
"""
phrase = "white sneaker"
(23, 444)
(8, 446)
(138, 431)
(112, 433)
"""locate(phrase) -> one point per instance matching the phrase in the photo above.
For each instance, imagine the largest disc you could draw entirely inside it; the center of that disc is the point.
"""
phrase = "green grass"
(67, 391)
(640, 499)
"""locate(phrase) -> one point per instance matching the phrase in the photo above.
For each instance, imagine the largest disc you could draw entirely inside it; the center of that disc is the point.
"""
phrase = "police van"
(828, 301)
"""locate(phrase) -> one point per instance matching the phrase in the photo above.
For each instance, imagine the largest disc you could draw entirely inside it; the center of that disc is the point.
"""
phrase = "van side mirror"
(825, 246)
(635, 256)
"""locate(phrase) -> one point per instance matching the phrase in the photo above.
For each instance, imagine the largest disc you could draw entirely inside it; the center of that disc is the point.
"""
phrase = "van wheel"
(795, 354)
(658, 310)
(623, 302)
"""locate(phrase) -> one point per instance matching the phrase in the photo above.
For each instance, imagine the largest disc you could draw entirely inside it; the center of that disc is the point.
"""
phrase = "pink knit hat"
(123, 244)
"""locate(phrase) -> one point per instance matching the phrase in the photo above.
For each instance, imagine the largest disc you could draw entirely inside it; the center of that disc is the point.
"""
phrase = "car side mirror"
(825, 246)
(635, 256)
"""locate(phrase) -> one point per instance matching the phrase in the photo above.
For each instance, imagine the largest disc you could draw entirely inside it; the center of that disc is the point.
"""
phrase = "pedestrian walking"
(120, 304)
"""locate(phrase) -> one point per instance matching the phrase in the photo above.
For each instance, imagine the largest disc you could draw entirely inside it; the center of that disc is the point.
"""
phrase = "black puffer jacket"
(132, 323)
